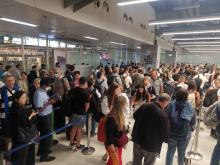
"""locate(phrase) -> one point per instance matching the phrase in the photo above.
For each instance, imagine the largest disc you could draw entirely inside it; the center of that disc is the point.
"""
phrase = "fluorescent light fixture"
(191, 32)
(201, 51)
(138, 47)
(185, 20)
(18, 22)
(197, 38)
(116, 43)
(202, 42)
(91, 38)
(183, 46)
(134, 2)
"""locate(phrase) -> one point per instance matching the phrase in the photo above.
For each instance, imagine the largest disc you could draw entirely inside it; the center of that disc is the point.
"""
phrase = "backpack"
(170, 89)
(198, 83)
(211, 115)
(98, 86)
(179, 126)
(210, 98)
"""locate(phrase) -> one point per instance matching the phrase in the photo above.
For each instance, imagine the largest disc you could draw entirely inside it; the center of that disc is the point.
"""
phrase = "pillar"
(22, 53)
(47, 53)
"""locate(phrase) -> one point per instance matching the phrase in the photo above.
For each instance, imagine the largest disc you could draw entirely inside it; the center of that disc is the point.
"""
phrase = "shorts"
(78, 120)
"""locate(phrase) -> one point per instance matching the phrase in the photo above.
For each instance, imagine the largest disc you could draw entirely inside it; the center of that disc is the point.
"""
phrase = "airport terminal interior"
(69, 57)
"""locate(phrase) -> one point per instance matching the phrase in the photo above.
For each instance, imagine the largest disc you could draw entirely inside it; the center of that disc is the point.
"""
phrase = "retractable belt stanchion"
(89, 150)
(193, 153)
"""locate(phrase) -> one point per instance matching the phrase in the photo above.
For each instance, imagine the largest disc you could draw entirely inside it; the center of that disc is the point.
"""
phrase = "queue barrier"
(89, 149)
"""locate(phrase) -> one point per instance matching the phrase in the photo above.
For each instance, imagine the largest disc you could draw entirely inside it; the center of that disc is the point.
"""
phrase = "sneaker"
(76, 148)
(47, 159)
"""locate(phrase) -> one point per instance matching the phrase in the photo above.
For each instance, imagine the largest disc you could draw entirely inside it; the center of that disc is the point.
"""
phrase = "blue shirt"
(40, 99)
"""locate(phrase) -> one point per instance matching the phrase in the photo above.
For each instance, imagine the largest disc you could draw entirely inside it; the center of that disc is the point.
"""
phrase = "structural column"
(22, 53)
(47, 53)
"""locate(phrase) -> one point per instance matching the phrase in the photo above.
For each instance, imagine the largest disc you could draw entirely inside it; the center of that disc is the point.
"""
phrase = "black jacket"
(151, 127)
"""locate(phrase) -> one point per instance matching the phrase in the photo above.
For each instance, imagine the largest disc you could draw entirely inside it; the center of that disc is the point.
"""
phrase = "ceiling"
(54, 25)
(179, 9)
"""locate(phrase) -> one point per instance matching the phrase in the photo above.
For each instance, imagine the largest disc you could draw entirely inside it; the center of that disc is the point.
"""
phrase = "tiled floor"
(65, 156)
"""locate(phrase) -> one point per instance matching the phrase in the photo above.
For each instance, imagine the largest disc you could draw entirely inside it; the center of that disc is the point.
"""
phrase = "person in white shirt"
(182, 83)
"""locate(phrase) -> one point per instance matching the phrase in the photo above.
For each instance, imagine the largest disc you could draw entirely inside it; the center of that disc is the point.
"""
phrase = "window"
(62, 45)
(53, 44)
(42, 42)
(31, 41)
(71, 46)
(16, 40)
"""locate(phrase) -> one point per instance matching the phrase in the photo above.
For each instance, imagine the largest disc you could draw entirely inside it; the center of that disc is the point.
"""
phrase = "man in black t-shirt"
(80, 105)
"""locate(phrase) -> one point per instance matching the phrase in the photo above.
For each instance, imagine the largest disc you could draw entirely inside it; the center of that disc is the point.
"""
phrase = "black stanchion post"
(89, 150)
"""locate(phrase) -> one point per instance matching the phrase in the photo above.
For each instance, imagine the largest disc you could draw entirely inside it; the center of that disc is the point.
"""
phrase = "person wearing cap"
(6, 99)
(151, 129)
(43, 104)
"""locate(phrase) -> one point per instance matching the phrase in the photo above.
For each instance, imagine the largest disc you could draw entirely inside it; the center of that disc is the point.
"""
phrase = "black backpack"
(98, 86)
(198, 83)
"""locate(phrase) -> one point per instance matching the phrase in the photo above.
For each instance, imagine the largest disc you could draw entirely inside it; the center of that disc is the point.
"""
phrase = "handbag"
(26, 134)
(122, 141)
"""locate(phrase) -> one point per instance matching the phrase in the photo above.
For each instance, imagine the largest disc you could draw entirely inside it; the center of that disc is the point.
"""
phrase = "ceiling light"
(201, 51)
(18, 22)
(198, 38)
(91, 38)
(191, 32)
(185, 20)
(138, 47)
(116, 43)
(134, 2)
(202, 42)
(199, 46)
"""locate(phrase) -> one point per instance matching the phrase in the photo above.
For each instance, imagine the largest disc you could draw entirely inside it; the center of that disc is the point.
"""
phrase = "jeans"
(181, 146)
(45, 127)
(215, 160)
(139, 154)
(93, 129)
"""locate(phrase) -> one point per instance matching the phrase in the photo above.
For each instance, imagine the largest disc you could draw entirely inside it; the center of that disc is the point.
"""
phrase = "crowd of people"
(164, 104)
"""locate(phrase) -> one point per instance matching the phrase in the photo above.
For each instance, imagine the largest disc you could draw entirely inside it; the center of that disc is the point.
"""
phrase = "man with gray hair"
(150, 130)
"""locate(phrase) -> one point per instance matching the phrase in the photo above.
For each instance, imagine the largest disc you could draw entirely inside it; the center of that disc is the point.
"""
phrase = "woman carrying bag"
(23, 130)
(115, 129)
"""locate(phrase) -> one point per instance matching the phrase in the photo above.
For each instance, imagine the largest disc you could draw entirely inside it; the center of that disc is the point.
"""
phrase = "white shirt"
(203, 78)
(128, 80)
(183, 85)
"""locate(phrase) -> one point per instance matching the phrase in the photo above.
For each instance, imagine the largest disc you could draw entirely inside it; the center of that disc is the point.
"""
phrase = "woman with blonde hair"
(115, 129)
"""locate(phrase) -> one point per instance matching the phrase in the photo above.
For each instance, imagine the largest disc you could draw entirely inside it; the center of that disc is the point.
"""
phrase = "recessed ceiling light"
(18, 22)
(116, 43)
(186, 20)
(191, 32)
(134, 2)
(91, 38)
